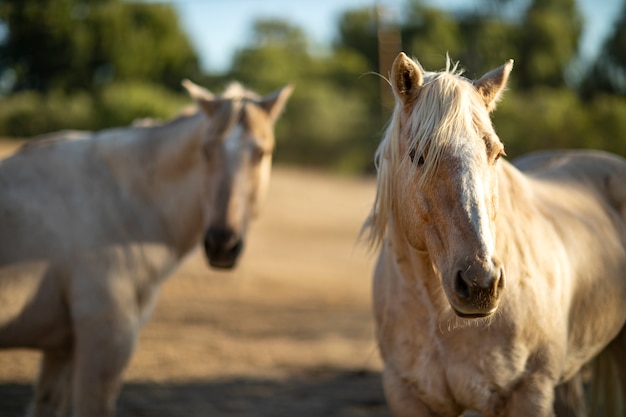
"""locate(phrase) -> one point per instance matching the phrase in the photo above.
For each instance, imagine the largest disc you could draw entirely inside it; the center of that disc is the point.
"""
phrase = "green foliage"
(488, 43)
(358, 32)
(540, 119)
(334, 105)
(431, 33)
(608, 73)
(548, 42)
(140, 41)
(277, 56)
(607, 123)
(31, 113)
(325, 126)
(557, 118)
(121, 103)
(78, 44)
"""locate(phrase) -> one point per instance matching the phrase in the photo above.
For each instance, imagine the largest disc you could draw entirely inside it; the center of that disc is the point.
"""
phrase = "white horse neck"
(164, 168)
(414, 275)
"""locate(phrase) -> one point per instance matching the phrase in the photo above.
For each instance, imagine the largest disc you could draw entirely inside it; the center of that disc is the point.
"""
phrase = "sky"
(218, 28)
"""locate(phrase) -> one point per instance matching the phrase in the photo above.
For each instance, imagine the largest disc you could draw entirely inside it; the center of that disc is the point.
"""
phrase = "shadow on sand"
(319, 393)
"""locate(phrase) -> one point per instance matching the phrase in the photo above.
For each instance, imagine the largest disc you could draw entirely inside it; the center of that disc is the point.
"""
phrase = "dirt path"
(289, 333)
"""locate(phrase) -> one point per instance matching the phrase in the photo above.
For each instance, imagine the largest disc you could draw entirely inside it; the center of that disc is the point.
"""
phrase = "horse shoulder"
(405, 330)
(580, 198)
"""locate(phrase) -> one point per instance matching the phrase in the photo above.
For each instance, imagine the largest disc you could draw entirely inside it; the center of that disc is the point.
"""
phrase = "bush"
(551, 119)
(121, 103)
(30, 113)
(541, 119)
(608, 123)
(327, 127)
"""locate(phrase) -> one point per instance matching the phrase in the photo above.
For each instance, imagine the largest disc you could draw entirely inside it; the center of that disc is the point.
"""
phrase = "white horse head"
(437, 177)
(242, 131)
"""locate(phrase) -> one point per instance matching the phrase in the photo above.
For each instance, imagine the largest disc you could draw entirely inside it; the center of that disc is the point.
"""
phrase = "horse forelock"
(236, 90)
(448, 107)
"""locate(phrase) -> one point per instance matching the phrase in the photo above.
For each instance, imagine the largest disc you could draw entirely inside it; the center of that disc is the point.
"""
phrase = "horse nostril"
(500, 280)
(460, 286)
(218, 238)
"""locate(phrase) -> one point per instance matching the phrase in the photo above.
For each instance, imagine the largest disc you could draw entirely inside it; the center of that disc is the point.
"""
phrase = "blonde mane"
(236, 90)
(442, 114)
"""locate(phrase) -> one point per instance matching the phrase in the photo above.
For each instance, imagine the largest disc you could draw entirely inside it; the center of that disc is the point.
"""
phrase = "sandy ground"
(288, 333)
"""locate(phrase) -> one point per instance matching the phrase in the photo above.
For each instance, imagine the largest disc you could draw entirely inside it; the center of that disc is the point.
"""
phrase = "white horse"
(494, 283)
(91, 225)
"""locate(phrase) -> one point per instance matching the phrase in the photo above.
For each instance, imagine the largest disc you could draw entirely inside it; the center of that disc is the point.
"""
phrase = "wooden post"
(389, 46)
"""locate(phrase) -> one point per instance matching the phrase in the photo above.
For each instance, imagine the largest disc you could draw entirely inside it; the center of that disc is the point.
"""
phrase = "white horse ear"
(211, 106)
(196, 92)
(274, 103)
(492, 85)
(406, 78)
(203, 97)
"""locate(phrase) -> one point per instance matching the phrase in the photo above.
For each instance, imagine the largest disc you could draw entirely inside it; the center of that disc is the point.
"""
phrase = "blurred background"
(93, 64)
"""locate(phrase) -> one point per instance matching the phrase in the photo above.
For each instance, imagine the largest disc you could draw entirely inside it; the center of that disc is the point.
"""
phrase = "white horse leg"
(533, 397)
(402, 401)
(569, 398)
(104, 342)
(53, 388)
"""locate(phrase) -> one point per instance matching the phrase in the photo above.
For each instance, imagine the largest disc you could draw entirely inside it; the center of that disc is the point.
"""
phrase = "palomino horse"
(494, 283)
(91, 226)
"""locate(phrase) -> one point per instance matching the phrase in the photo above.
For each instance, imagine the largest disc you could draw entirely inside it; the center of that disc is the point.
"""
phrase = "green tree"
(607, 74)
(358, 31)
(550, 32)
(328, 121)
(278, 53)
(489, 41)
(429, 34)
(76, 44)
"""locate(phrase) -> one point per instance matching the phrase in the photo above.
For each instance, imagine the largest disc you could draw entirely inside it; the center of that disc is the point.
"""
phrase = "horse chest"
(449, 377)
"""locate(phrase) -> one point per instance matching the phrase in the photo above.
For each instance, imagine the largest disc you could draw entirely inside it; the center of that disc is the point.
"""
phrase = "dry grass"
(8, 146)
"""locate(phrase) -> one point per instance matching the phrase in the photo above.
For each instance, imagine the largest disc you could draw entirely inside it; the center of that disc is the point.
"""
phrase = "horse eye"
(257, 155)
(420, 160)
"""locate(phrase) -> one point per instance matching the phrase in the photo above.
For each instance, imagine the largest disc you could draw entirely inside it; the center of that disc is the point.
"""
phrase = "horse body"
(493, 285)
(109, 210)
(91, 226)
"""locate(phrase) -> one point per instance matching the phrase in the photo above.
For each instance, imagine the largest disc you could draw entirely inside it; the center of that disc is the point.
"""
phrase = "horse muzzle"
(477, 288)
(222, 248)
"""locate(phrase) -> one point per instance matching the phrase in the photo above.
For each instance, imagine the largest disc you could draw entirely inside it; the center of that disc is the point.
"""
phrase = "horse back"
(68, 223)
(602, 173)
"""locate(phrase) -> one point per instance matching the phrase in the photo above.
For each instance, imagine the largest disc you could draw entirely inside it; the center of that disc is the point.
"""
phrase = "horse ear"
(196, 92)
(274, 103)
(406, 78)
(203, 97)
(492, 85)
(211, 106)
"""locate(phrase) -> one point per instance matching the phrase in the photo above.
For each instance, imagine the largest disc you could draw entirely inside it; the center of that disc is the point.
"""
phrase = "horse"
(495, 282)
(92, 223)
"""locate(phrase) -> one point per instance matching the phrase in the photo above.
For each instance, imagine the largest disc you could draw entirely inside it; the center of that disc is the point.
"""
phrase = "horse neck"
(520, 228)
(163, 168)
(414, 275)
(516, 206)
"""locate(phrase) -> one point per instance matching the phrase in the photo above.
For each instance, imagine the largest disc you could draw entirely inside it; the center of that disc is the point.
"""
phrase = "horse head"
(438, 168)
(241, 132)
